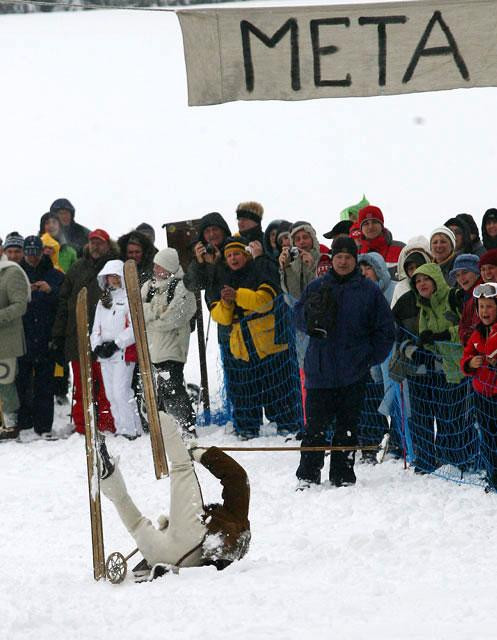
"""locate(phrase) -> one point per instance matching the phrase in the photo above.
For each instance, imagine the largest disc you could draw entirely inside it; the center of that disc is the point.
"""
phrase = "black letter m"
(290, 25)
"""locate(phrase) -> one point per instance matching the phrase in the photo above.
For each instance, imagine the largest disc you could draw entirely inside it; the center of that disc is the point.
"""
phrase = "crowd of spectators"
(309, 334)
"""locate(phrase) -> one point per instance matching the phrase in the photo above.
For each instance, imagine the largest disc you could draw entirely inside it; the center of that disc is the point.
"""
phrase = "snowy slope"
(94, 108)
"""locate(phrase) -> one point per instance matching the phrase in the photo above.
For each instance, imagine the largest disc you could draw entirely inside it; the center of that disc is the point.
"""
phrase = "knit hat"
(446, 232)
(99, 233)
(147, 230)
(14, 240)
(33, 246)
(490, 257)
(417, 257)
(342, 227)
(344, 245)
(466, 261)
(251, 210)
(167, 259)
(370, 213)
(62, 203)
(235, 242)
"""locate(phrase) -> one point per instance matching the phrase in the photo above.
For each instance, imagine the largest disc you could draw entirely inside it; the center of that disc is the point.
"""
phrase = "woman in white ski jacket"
(168, 308)
(113, 342)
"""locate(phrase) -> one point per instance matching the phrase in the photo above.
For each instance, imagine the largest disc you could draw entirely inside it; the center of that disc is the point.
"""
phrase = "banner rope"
(87, 5)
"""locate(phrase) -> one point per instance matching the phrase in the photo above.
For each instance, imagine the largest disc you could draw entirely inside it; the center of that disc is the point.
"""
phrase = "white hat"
(446, 232)
(167, 259)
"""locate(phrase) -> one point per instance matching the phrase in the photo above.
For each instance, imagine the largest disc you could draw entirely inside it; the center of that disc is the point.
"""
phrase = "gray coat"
(14, 297)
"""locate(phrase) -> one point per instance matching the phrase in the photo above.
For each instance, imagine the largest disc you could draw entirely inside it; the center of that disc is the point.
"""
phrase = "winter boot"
(107, 464)
(8, 433)
(348, 475)
(342, 462)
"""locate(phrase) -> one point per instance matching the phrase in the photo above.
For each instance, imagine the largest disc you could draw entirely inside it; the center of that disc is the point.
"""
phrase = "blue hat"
(466, 261)
(33, 246)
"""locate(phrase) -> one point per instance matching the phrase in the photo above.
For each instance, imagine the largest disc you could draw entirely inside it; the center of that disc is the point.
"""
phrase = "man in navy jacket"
(352, 329)
(35, 380)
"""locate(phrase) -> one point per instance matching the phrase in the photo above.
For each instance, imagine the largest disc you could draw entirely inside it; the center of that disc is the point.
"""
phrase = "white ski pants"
(179, 543)
(117, 376)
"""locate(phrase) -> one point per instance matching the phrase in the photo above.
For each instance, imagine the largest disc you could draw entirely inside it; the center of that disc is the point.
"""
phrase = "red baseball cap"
(99, 233)
(355, 231)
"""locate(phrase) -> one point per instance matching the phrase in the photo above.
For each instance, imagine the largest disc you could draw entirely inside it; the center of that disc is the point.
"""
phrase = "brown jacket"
(227, 523)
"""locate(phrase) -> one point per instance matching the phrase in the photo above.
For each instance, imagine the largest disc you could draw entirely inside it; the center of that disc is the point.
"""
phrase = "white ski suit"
(180, 541)
(114, 324)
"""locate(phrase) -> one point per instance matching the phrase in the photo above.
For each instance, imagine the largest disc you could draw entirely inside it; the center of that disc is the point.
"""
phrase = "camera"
(210, 249)
(293, 253)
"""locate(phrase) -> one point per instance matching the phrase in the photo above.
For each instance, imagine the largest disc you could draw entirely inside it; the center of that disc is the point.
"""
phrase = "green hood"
(437, 315)
(440, 296)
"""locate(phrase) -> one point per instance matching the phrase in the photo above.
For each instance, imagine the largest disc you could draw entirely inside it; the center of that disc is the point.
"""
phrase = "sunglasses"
(487, 290)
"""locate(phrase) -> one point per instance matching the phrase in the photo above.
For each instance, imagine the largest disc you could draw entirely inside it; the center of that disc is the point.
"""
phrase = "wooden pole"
(373, 447)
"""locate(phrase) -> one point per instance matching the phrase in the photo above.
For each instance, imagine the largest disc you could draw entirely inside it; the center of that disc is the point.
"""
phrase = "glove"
(98, 350)
(429, 337)
(106, 349)
(442, 336)
(407, 349)
(151, 293)
(56, 350)
(426, 337)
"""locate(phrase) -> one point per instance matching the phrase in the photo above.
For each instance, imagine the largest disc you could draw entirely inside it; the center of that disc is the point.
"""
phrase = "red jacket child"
(483, 342)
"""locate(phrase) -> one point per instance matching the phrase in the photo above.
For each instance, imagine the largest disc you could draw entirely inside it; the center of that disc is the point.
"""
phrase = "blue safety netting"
(433, 415)
(261, 390)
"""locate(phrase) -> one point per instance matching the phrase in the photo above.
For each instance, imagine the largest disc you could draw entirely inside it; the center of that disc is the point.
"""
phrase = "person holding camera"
(351, 329)
(258, 358)
(168, 309)
(207, 267)
(298, 262)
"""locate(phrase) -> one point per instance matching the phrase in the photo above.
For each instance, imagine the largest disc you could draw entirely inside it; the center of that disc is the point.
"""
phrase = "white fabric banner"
(305, 52)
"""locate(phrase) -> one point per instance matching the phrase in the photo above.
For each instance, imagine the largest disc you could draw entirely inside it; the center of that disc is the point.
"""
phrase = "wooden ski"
(91, 436)
(146, 371)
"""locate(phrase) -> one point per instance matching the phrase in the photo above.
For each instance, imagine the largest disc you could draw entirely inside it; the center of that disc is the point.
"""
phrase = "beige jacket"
(15, 294)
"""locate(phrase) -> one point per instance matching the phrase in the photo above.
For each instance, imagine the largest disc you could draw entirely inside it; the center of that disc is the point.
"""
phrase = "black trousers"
(486, 415)
(35, 388)
(172, 395)
(336, 410)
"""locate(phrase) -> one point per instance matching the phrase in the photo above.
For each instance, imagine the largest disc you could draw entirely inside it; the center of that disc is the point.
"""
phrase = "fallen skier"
(193, 535)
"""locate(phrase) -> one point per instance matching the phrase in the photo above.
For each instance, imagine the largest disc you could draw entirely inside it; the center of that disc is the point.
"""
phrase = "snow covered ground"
(94, 108)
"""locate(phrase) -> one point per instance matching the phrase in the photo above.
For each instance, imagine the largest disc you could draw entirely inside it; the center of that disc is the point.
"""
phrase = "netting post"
(402, 418)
